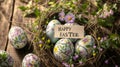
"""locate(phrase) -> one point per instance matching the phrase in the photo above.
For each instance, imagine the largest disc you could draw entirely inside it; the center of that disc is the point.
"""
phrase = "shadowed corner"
(27, 49)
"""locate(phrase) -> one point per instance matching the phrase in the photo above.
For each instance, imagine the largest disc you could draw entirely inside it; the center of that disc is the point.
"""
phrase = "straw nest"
(87, 13)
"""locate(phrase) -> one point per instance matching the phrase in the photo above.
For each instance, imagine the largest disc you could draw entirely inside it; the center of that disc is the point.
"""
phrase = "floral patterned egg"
(81, 51)
(71, 24)
(17, 37)
(30, 60)
(84, 46)
(88, 40)
(5, 59)
(63, 50)
(50, 30)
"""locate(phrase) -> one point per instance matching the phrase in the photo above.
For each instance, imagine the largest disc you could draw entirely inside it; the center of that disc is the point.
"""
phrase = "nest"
(92, 27)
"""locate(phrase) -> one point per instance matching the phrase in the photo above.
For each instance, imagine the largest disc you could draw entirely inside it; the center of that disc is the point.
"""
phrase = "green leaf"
(106, 44)
(115, 6)
(83, 59)
(115, 40)
(3, 56)
(84, 6)
(51, 3)
(23, 8)
(37, 12)
(114, 36)
(84, 20)
(88, 46)
(104, 22)
(36, 1)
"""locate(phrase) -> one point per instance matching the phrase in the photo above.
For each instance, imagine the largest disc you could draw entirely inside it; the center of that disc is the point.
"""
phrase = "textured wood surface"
(11, 15)
(18, 55)
(19, 20)
(6, 7)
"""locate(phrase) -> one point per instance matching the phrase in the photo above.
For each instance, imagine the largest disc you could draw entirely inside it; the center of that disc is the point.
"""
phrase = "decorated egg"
(63, 50)
(71, 24)
(50, 30)
(82, 51)
(88, 40)
(30, 60)
(5, 59)
(17, 37)
(84, 46)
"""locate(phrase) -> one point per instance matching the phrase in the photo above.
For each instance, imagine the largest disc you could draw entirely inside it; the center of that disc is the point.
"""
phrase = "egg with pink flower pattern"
(63, 50)
(31, 60)
(17, 37)
(84, 46)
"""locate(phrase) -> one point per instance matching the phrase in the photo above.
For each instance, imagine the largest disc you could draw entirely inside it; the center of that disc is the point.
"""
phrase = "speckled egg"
(71, 24)
(30, 60)
(84, 46)
(63, 50)
(50, 30)
(5, 59)
(17, 37)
